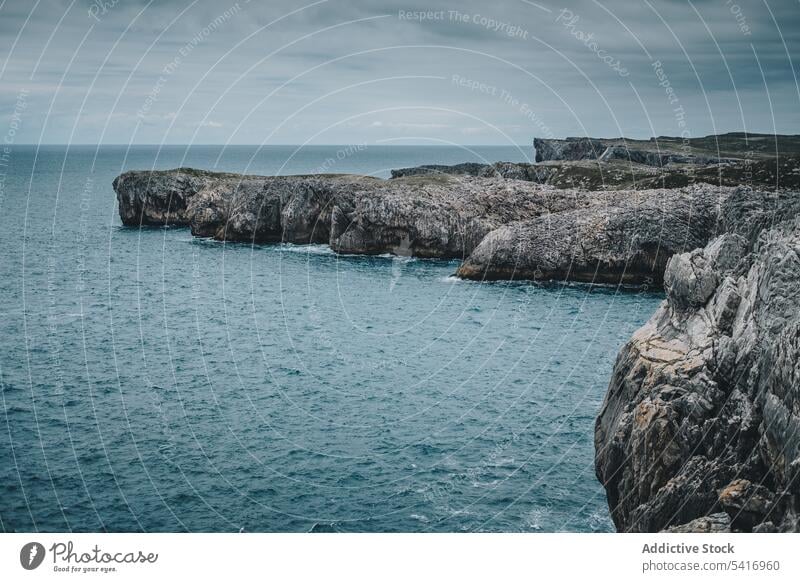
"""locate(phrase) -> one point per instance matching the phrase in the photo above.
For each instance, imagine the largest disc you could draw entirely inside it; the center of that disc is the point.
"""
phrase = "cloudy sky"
(378, 71)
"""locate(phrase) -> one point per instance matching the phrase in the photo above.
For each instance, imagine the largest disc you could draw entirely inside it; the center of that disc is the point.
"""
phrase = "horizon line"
(276, 144)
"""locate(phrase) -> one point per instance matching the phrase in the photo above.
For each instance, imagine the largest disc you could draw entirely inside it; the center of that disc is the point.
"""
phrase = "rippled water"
(152, 381)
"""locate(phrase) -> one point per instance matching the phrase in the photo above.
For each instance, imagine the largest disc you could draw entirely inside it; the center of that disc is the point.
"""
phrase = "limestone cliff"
(700, 429)
(428, 216)
(621, 237)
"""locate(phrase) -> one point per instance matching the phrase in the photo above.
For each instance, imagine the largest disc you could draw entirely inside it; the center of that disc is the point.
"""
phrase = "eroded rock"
(429, 216)
(623, 237)
(712, 423)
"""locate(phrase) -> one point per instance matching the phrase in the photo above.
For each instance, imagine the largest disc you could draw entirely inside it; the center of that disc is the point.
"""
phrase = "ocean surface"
(152, 381)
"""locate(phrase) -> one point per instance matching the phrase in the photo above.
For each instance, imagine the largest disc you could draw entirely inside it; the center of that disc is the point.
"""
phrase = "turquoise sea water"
(151, 381)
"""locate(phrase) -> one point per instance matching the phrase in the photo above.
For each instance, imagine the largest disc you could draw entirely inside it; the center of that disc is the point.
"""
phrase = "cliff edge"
(700, 428)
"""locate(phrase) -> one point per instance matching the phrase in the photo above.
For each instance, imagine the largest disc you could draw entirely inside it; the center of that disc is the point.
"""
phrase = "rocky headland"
(427, 216)
(700, 428)
(733, 159)
(501, 228)
(663, 150)
(614, 237)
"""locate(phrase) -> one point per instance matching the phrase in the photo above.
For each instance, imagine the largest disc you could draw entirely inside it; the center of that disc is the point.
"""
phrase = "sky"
(394, 71)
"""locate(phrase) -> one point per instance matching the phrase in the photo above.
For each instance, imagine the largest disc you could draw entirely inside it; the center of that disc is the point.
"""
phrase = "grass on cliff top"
(433, 179)
(769, 173)
(197, 173)
(732, 145)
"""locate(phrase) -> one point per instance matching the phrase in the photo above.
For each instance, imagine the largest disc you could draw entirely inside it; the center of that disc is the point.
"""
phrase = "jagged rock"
(572, 148)
(658, 158)
(506, 228)
(690, 280)
(646, 152)
(714, 523)
(702, 413)
(622, 237)
(429, 216)
(428, 226)
(159, 198)
(466, 169)
(747, 504)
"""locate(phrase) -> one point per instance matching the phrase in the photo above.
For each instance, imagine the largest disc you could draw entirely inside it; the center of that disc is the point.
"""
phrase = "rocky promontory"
(582, 214)
(700, 429)
(649, 153)
(618, 237)
(626, 165)
(664, 150)
(426, 216)
(502, 228)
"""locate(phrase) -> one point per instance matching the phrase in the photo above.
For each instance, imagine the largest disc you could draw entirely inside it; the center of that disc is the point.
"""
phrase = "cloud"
(287, 72)
(407, 126)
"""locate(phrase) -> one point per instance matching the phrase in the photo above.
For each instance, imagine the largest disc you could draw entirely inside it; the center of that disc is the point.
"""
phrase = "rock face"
(702, 415)
(426, 216)
(507, 170)
(714, 523)
(697, 150)
(257, 209)
(618, 237)
(503, 228)
(570, 149)
(636, 151)
(159, 198)
(658, 158)
(624, 168)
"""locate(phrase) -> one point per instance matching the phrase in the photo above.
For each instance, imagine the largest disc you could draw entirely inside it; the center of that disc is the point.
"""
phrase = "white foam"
(313, 249)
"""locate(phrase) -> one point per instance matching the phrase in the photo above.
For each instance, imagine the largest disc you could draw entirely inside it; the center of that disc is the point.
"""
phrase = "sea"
(154, 381)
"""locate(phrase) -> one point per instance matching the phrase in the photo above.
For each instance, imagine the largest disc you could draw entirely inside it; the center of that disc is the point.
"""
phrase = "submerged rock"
(702, 414)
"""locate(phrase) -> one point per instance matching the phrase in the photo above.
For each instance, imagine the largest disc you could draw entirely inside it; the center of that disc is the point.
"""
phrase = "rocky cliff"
(731, 159)
(427, 216)
(620, 237)
(503, 228)
(570, 149)
(649, 153)
(623, 168)
(660, 151)
(700, 428)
